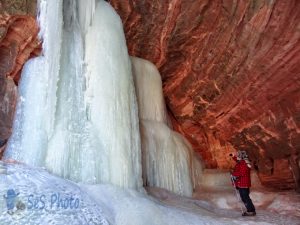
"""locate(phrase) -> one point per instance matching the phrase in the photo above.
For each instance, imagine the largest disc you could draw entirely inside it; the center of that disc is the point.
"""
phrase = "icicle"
(86, 11)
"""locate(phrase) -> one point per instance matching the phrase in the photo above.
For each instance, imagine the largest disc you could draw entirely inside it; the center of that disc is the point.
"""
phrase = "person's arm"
(236, 171)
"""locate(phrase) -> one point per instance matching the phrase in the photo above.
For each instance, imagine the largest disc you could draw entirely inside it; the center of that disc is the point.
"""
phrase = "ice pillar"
(77, 114)
(168, 160)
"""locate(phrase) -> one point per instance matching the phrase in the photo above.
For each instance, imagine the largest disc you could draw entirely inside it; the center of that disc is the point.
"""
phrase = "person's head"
(242, 155)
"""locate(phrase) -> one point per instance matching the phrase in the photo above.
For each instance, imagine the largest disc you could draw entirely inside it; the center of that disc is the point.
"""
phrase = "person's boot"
(249, 214)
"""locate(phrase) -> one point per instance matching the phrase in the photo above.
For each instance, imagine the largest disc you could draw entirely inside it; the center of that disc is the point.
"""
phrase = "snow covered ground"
(272, 208)
(130, 207)
(49, 199)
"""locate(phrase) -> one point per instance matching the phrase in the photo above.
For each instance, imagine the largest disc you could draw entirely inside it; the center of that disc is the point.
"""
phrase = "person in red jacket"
(242, 181)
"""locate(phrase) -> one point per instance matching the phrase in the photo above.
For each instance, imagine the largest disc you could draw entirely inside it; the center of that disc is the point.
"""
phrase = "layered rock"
(18, 43)
(230, 73)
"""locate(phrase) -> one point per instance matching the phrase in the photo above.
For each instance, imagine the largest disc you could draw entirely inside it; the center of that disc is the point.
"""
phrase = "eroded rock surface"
(18, 43)
(230, 73)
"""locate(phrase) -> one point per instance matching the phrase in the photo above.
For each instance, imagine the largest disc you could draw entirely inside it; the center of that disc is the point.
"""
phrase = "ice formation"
(149, 91)
(77, 116)
(35, 113)
(168, 160)
(77, 113)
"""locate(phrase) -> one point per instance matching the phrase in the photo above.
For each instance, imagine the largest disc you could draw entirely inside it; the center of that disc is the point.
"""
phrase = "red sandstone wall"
(231, 75)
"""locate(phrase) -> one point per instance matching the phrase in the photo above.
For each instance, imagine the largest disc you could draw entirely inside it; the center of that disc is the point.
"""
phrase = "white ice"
(167, 158)
(77, 114)
(47, 199)
(110, 100)
(35, 113)
(149, 91)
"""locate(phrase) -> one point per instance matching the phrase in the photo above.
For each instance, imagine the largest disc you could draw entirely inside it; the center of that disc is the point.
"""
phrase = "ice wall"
(77, 113)
(168, 160)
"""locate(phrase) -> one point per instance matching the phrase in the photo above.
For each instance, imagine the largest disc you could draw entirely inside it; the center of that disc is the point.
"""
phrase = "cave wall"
(18, 43)
(231, 76)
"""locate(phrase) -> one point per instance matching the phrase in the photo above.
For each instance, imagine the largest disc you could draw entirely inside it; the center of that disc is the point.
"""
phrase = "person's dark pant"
(244, 193)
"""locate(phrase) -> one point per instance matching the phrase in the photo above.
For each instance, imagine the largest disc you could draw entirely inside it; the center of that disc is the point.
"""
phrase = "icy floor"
(272, 208)
(47, 199)
(51, 200)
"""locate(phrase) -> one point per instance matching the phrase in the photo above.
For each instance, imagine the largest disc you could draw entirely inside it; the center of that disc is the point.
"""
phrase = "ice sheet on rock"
(167, 158)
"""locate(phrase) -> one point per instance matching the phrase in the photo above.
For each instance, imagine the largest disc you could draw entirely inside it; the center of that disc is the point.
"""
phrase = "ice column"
(71, 139)
(77, 113)
(35, 113)
(168, 160)
(110, 99)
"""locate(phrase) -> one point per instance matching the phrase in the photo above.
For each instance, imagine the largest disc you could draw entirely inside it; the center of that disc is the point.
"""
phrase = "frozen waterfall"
(168, 160)
(77, 113)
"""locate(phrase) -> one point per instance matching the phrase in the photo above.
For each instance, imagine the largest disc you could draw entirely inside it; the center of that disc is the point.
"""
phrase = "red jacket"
(242, 172)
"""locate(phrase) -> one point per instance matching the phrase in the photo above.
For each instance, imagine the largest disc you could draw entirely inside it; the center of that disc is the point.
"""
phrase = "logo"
(54, 201)
(12, 202)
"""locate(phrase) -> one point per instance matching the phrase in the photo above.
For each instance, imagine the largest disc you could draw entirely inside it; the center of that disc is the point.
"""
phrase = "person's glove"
(234, 178)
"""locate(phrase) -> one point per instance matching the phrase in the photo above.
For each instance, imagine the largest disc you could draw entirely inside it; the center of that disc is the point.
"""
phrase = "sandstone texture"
(18, 43)
(231, 76)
